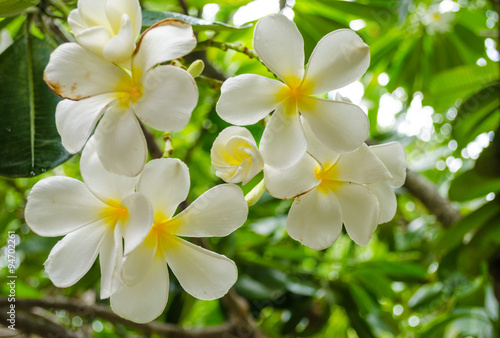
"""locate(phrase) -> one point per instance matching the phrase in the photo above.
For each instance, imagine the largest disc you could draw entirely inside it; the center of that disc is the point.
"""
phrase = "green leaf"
(151, 17)
(12, 7)
(475, 220)
(30, 144)
(472, 185)
(396, 270)
(463, 80)
(479, 113)
(426, 294)
(488, 163)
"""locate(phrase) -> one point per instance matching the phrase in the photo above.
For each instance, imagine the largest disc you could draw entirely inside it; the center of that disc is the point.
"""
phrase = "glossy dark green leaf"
(479, 113)
(472, 185)
(151, 17)
(11, 7)
(482, 246)
(475, 220)
(29, 142)
(488, 163)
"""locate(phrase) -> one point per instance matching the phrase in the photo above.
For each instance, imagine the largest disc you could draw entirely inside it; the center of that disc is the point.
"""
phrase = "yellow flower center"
(114, 213)
(162, 232)
(328, 175)
(296, 96)
(128, 91)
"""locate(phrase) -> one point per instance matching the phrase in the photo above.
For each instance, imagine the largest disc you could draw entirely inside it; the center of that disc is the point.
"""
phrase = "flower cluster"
(312, 149)
(123, 211)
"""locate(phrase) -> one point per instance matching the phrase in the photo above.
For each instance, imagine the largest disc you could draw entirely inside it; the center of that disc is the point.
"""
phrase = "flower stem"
(228, 45)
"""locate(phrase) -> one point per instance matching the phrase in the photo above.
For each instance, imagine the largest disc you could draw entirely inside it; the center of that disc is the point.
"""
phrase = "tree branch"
(426, 192)
(99, 311)
(31, 323)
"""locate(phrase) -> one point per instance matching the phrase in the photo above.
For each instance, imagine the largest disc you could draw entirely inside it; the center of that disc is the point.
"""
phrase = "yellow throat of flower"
(114, 213)
(162, 233)
(328, 175)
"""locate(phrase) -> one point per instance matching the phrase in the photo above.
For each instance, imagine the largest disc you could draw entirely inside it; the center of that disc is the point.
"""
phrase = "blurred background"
(433, 271)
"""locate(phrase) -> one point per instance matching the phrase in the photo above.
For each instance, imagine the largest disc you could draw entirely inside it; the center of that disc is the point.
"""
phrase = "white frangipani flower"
(163, 97)
(330, 189)
(202, 273)
(107, 27)
(235, 155)
(394, 158)
(437, 21)
(94, 215)
(339, 58)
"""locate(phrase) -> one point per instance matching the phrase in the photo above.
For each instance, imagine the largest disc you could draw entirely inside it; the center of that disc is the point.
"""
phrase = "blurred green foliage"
(435, 89)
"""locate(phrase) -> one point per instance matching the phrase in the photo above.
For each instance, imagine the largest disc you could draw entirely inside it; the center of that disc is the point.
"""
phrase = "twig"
(31, 323)
(203, 45)
(426, 192)
(184, 6)
(282, 4)
(99, 311)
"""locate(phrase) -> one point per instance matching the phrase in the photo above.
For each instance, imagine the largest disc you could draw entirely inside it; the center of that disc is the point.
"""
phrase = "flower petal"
(73, 256)
(165, 40)
(103, 183)
(386, 199)
(147, 299)
(93, 38)
(340, 126)
(394, 158)
(283, 143)
(361, 166)
(280, 46)
(139, 221)
(76, 23)
(235, 155)
(120, 47)
(315, 219)
(115, 9)
(75, 120)
(165, 182)
(218, 212)
(58, 205)
(316, 148)
(247, 99)
(93, 12)
(75, 73)
(137, 263)
(169, 97)
(110, 259)
(120, 143)
(202, 273)
(340, 58)
(360, 211)
(291, 182)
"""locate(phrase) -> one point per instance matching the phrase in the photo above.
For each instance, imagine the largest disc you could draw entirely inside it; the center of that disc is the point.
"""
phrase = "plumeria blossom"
(339, 58)
(161, 96)
(202, 273)
(107, 27)
(94, 215)
(437, 21)
(235, 155)
(332, 188)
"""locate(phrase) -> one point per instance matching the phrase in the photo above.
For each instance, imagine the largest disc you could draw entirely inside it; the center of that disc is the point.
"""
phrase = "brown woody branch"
(427, 193)
(25, 320)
